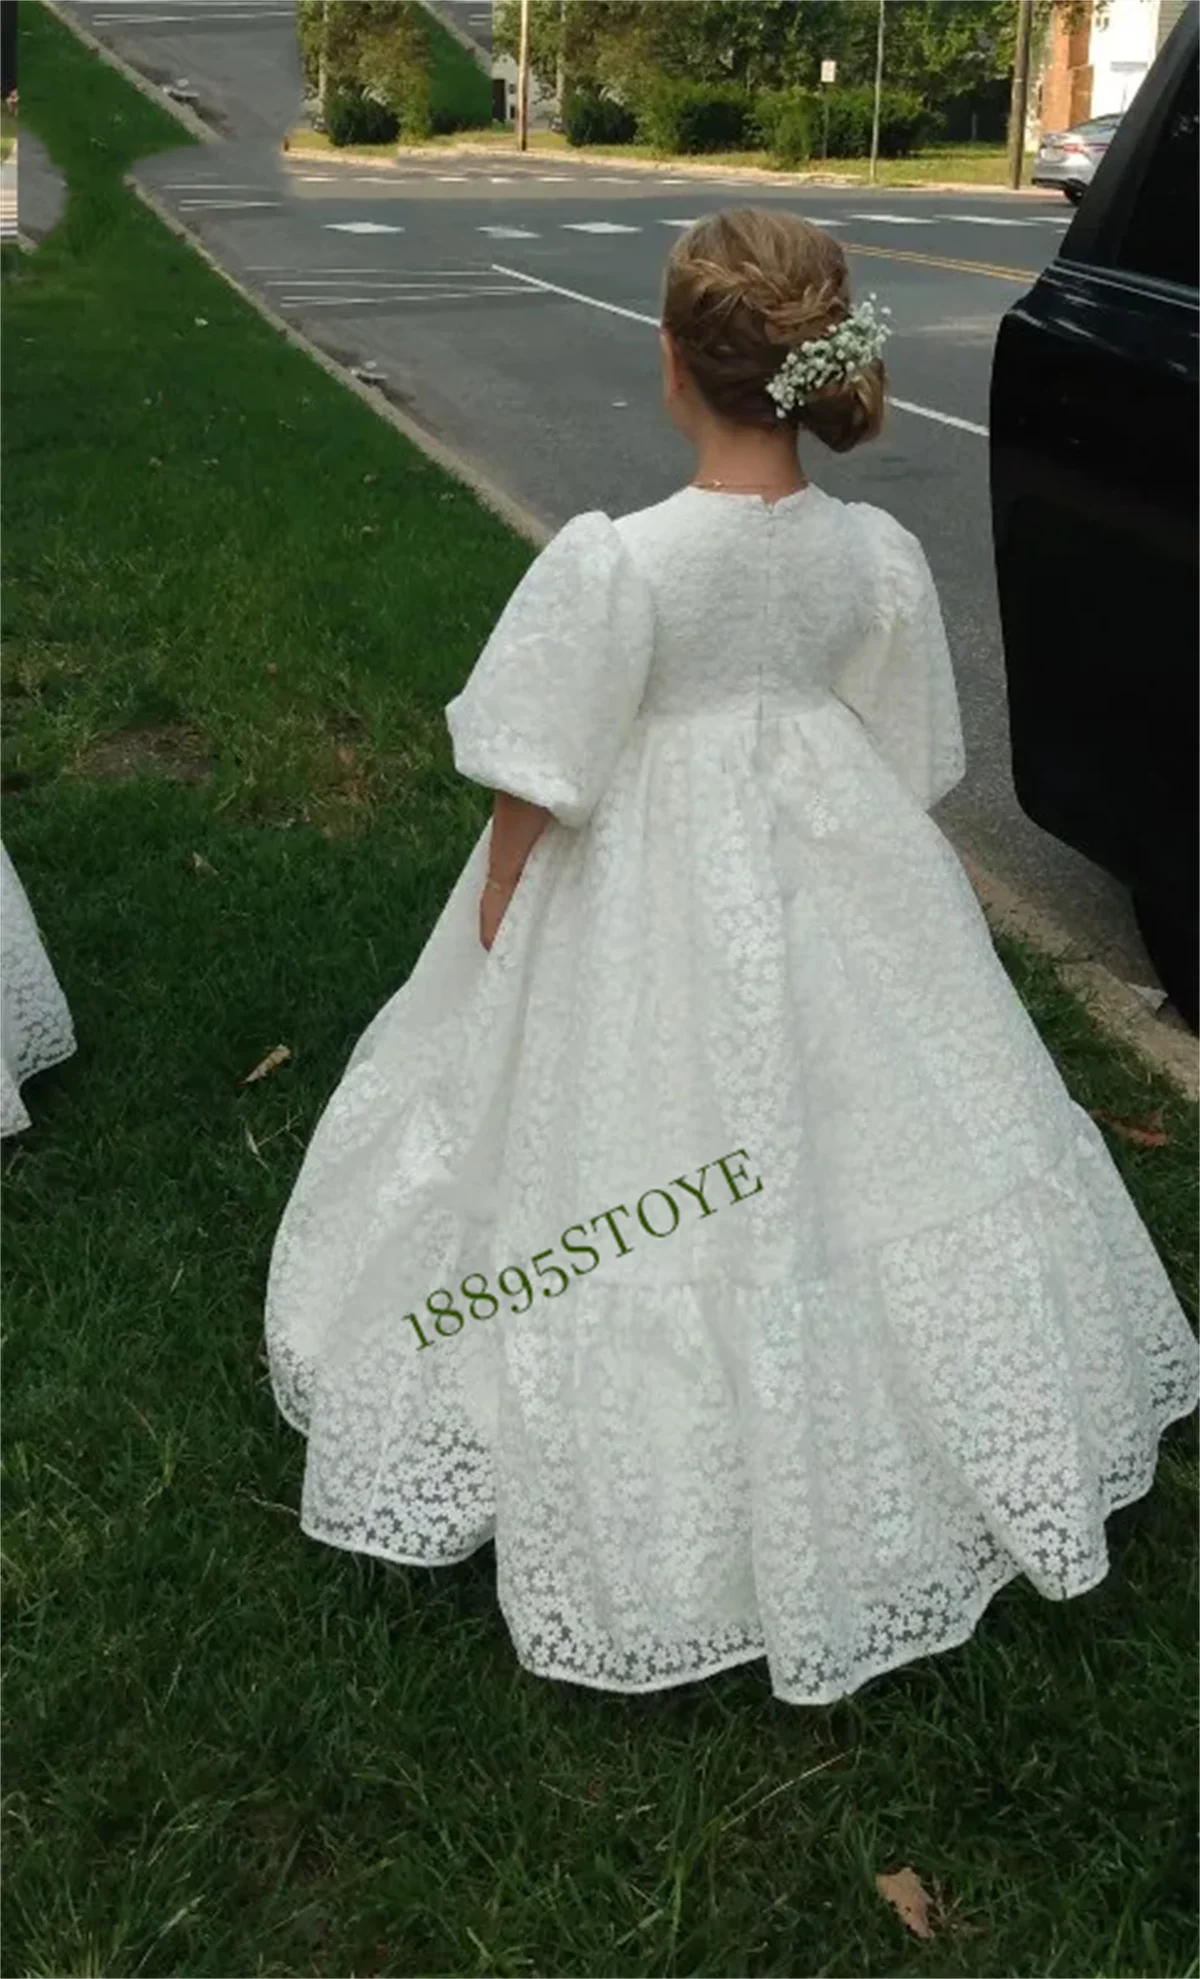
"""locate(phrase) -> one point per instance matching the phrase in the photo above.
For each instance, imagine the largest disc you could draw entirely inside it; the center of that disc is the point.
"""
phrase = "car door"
(1094, 486)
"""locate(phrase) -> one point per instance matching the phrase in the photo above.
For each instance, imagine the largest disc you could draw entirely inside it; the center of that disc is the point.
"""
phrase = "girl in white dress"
(704, 1220)
(35, 1023)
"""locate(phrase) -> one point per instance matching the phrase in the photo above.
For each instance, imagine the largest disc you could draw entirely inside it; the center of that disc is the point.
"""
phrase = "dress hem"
(1175, 1411)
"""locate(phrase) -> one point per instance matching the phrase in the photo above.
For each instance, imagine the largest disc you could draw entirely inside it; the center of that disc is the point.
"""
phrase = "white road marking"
(210, 185)
(222, 205)
(677, 223)
(452, 179)
(501, 182)
(942, 418)
(554, 178)
(316, 179)
(892, 219)
(361, 227)
(985, 220)
(508, 233)
(191, 20)
(430, 295)
(598, 227)
(293, 278)
(639, 316)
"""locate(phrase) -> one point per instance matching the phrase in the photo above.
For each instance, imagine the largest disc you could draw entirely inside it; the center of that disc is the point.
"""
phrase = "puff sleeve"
(900, 680)
(549, 705)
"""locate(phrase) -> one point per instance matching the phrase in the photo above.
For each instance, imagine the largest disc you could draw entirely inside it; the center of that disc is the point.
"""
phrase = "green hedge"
(589, 118)
(680, 117)
(352, 118)
(783, 123)
(903, 122)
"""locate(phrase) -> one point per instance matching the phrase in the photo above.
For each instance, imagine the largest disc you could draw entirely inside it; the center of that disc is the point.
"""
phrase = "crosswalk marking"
(985, 220)
(223, 205)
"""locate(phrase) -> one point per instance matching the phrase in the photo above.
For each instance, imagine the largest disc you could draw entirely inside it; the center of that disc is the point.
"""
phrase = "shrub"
(352, 118)
(783, 123)
(903, 121)
(677, 117)
(589, 118)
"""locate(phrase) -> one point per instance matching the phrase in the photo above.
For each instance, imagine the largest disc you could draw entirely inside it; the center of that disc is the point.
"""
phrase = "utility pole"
(323, 64)
(523, 81)
(1020, 93)
(878, 98)
(560, 77)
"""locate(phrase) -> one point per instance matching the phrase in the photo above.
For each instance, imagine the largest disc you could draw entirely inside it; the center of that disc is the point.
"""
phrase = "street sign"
(829, 72)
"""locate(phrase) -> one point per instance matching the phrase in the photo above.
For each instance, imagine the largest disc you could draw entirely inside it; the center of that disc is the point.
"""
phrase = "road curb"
(677, 167)
(1116, 1007)
(193, 124)
(493, 497)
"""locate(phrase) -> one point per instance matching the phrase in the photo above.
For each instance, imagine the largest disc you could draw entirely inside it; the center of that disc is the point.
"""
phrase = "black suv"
(1094, 506)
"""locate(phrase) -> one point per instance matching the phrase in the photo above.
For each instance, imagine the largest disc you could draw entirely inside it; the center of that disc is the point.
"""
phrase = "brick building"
(1094, 69)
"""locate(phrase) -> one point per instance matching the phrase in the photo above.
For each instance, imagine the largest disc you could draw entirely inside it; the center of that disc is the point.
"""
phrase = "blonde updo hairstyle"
(745, 287)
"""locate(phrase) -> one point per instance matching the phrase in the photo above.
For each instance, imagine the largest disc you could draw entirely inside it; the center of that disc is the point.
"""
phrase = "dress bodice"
(755, 603)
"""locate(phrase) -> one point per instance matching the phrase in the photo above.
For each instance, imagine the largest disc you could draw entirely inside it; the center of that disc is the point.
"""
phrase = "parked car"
(1094, 415)
(1068, 159)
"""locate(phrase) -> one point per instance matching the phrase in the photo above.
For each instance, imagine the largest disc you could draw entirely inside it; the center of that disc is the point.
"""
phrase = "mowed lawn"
(235, 604)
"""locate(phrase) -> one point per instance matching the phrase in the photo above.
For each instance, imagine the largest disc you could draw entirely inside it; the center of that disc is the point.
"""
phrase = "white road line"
(555, 178)
(942, 418)
(293, 275)
(352, 279)
(438, 295)
(508, 233)
(677, 223)
(222, 205)
(598, 227)
(500, 182)
(574, 295)
(378, 179)
(316, 179)
(452, 179)
(639, 316)
(985, 220)
(361, 227)
(212, 185)
(191, 20)
(892, 219)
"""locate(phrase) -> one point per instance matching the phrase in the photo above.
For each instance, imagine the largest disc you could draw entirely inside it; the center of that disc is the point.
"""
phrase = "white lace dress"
(838, 1312)
(35, 1023)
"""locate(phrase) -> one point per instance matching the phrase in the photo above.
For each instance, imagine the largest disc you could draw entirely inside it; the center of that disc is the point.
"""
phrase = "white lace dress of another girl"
(839, 1315)
(35, 1023)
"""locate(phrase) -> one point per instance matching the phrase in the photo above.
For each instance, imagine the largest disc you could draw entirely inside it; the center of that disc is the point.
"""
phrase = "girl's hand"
(493, 902)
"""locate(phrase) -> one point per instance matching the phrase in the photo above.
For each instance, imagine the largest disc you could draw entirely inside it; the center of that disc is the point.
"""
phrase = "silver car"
(1068, 159)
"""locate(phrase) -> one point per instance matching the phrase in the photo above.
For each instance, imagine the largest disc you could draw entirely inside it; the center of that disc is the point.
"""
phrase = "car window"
(1162, 235)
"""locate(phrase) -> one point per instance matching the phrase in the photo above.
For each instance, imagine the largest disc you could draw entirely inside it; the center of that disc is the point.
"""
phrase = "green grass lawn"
(458, 88)
(228, 1749)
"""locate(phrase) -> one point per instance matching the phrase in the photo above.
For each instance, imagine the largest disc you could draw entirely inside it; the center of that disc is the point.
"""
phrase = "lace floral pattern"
(37, 1031)
(932, 1353)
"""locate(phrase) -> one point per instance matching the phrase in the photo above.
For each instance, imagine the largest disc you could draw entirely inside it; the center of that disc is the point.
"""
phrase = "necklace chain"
(745, 487)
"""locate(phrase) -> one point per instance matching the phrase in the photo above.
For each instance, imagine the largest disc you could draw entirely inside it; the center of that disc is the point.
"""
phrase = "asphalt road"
(509, 303)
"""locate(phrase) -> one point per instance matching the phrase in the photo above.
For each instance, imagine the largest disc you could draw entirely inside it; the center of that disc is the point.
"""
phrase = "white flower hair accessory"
(856, 342)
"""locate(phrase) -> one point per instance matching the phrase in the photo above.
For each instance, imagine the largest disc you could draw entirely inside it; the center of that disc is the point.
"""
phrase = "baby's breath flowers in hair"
(820, 361)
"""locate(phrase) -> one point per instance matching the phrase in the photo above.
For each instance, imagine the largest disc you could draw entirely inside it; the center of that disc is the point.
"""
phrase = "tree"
(939, 49)
(378, 46)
